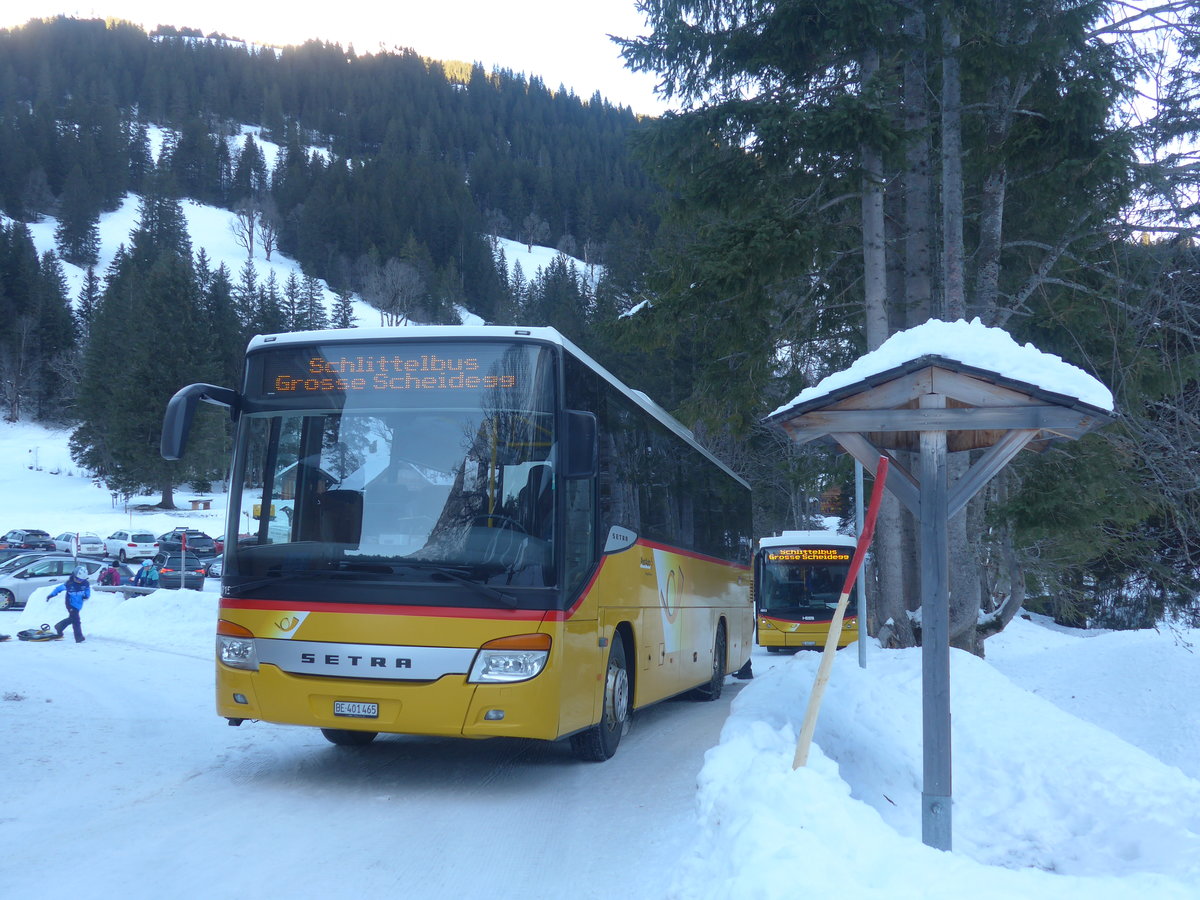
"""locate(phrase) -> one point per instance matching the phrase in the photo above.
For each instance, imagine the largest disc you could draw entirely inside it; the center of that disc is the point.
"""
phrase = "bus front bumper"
(447, 707)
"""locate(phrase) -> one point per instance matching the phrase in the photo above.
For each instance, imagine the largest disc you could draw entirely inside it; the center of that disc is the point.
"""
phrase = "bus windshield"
(792, 587)
(444, 483)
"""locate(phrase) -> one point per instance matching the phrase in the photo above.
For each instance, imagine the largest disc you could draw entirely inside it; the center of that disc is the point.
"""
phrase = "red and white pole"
(835, 626)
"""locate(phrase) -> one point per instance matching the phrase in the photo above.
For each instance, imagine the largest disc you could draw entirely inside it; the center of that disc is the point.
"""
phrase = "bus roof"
(543, 334)
(808, 539)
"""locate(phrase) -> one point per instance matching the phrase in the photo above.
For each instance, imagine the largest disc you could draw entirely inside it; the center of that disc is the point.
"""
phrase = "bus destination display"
(368, 370)
(808, 554)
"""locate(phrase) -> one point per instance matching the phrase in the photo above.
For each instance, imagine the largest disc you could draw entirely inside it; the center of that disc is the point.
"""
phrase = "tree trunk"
(953, 290)
(168, 496)
(874, 247)
(918, 184)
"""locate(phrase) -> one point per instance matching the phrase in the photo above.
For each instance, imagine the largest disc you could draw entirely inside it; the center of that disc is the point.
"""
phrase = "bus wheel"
(716, 681)
(344, 738)
(600, 741)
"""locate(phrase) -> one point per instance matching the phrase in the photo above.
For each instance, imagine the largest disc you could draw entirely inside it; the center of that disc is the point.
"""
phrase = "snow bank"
(1045, 805)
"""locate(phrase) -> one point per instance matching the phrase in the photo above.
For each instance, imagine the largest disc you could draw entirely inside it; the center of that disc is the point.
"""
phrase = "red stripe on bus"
(459, 612)
(371, 609)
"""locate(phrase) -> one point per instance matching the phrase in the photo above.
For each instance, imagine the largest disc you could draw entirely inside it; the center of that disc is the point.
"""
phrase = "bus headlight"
(235, 646)
(509, 659)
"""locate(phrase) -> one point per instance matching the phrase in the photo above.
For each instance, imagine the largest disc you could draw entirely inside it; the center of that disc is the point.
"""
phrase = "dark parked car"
(28, 539)
(243, 540)
(171, 578)
(7, 553)
(198, 543)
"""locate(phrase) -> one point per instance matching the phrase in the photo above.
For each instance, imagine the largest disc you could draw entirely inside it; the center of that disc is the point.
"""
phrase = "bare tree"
(396, 289)
(534, 229)
(245, 218)
(14, 366)
(268, 226)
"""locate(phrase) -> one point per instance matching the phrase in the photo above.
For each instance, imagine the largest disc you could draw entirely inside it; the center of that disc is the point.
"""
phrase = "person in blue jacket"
(147, 575)
(78, 590)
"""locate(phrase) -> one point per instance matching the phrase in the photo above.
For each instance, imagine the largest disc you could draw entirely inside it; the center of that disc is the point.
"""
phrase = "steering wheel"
(499, 521)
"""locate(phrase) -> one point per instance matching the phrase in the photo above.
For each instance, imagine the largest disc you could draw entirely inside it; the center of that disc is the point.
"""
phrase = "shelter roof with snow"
(971, 382)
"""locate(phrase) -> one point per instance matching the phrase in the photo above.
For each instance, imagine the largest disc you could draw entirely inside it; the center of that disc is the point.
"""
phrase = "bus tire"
(599, 742)
(712, 689)
(344, 738)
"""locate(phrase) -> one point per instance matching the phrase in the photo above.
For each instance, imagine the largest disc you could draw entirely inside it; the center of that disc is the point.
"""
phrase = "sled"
(45, 633)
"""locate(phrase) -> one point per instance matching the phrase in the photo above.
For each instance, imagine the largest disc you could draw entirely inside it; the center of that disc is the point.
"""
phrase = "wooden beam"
(1051, 418)
(998, 456)
(898, 392)
(973, 391)
(900, 481)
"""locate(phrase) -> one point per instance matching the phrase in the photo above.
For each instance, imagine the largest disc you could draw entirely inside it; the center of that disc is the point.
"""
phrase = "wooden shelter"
(931, 406)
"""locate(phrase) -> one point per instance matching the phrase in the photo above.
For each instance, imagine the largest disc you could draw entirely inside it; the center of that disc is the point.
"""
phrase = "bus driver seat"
(341, 517)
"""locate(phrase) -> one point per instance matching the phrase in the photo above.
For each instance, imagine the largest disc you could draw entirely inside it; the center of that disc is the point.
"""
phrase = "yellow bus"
(798, 578)
(467, 531)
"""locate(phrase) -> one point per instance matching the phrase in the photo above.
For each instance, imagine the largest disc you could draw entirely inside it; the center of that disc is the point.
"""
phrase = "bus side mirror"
(582, 451)
(177, 421)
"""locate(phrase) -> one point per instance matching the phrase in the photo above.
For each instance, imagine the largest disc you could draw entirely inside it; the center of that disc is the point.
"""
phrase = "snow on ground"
(535, 259)
(1075, 772)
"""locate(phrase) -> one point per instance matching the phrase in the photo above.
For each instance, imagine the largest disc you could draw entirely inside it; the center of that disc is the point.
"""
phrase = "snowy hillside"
(1075, 769)
(211, 229)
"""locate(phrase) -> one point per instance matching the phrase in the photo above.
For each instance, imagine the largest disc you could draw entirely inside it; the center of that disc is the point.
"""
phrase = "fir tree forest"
(832, 173)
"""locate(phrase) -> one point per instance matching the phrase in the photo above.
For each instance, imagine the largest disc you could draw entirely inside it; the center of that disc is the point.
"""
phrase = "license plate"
(355, 710)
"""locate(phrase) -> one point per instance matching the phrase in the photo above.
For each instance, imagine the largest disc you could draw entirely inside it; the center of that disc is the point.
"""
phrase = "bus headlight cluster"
(235, 646)
(510, 659)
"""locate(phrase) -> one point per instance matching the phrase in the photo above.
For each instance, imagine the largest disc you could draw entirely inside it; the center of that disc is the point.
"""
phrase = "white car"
(89, 544)
(127, 545)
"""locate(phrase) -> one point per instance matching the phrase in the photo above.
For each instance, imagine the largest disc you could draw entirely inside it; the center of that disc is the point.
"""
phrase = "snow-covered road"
(123, 782)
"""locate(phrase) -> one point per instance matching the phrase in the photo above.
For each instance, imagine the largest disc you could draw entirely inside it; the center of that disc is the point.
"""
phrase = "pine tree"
(343, 311)
(88, 301)
(246, 298)
(77, 235)
(150, 308)
(313, 304)
(291, 304)
(271, 316)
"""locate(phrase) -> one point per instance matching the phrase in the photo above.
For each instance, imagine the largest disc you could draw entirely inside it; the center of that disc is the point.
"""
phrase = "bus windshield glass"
(802, 581)
(397, 466)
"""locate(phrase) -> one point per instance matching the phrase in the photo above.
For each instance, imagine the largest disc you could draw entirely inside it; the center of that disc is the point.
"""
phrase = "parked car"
(18, 583)
(22, 557)
(242, 539)
(170, 576)
(9, 553)
(214, 567)
(198, 542)
(127, 545)
(89, 543)
(28, 539)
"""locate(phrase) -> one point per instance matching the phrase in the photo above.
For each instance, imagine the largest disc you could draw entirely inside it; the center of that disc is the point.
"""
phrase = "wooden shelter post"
(936, 790)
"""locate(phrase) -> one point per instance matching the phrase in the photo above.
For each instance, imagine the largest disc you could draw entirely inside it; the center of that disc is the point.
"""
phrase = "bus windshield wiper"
(455, 575)
(281, 577)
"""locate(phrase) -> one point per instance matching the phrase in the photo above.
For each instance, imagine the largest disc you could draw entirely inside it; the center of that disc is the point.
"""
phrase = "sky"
(562, 43)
